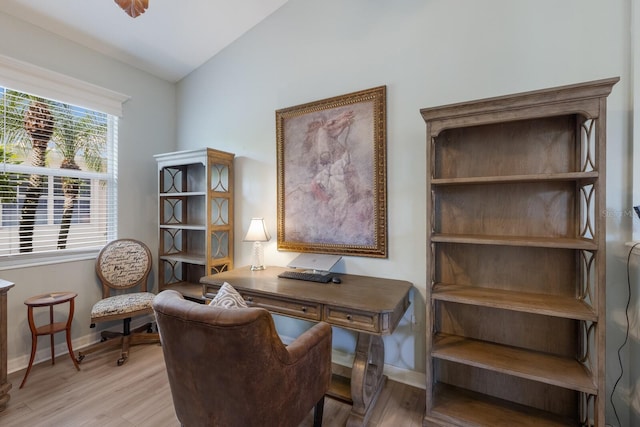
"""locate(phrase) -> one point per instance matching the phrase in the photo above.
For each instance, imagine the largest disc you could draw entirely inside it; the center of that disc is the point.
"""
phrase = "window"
(58, 166)
(57, 180)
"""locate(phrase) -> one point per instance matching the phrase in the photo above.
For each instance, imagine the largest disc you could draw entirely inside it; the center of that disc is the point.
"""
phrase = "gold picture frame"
(332, 175)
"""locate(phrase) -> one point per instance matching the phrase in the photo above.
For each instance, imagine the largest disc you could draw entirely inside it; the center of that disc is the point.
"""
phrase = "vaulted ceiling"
(169, 40)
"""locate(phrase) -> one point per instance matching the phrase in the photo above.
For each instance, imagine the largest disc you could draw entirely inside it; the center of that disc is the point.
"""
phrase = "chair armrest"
(319, 335)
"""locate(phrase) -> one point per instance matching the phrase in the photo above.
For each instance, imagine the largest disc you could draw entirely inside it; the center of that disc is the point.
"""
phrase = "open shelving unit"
(516, 259)
(195, 202)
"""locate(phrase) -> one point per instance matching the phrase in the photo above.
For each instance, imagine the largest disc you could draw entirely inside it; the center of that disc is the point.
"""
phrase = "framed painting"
(332, 178)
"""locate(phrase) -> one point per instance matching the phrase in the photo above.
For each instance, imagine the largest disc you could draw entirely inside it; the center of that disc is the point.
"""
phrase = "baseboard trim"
(401, 375)
(43, 353)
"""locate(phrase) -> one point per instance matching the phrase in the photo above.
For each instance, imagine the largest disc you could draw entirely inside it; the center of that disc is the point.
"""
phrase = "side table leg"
(34, 343)
(68, 333)
(367, 379)
(53, 352)
(73, 359)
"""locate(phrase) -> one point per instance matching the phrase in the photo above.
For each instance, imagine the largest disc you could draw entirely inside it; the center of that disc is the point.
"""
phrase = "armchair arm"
(305, 374)
(319, 335)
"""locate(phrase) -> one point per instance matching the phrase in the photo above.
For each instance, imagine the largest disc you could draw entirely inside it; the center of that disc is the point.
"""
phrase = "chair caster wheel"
(121, 361)
(80, 358)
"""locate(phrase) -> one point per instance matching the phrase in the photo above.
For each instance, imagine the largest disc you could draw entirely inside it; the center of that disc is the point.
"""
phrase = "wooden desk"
(5, 385)
(370, 306)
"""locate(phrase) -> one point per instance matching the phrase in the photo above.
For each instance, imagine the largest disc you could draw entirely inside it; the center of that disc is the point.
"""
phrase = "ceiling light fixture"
(134, 8)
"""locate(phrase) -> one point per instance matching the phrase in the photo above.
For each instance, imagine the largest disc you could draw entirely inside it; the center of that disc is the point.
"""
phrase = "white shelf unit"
(195, 202)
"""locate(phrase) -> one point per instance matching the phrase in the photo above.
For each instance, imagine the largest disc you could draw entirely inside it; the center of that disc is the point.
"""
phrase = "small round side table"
(49, 300)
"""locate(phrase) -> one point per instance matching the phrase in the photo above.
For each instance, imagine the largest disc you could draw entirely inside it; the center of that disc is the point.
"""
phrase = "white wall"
(427, 53)
(147, 127)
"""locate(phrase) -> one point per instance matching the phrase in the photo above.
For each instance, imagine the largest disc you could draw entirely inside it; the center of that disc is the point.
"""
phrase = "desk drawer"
(283, 306)
(359, 320)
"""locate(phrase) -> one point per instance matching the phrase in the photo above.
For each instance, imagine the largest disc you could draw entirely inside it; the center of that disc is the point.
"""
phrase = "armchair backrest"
(228, 367)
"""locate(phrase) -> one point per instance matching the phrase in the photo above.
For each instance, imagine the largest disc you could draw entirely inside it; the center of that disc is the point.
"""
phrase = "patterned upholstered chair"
(228, 367)
(122, 266)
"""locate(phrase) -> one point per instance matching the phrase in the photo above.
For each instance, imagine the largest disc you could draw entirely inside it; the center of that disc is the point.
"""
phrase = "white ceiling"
(171, 39)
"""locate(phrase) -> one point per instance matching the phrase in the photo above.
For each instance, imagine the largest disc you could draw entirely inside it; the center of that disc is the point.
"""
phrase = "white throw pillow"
(228, 297)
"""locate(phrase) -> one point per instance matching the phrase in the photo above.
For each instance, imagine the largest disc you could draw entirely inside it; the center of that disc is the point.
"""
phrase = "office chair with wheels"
(122, 265)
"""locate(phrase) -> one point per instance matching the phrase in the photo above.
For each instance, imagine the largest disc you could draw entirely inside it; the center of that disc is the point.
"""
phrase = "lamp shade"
(257, 231)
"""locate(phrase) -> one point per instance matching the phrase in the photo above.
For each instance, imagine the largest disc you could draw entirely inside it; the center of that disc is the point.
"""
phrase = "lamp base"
(257, 261)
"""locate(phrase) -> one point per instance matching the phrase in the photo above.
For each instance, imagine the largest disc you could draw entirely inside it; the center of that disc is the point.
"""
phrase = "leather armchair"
(228, 367)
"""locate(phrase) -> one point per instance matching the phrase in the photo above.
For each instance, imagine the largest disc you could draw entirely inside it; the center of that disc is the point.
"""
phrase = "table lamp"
(257, 234)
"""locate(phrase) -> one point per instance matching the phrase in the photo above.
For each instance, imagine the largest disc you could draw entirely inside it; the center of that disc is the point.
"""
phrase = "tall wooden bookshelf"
(195, 202)
(516, 259)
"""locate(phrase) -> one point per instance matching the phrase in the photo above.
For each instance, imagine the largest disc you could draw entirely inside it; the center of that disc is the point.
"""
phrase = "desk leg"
(367, 379)
(5, 385)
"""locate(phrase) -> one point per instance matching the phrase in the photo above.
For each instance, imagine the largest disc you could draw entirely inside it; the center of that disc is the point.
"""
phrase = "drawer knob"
(304, 309)
(250, 299)
(348, 317)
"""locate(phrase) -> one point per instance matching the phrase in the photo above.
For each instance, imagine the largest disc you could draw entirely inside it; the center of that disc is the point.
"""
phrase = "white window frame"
(25, 77)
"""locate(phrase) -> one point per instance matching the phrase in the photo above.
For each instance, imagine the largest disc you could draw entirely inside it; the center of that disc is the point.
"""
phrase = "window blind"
(57, 178)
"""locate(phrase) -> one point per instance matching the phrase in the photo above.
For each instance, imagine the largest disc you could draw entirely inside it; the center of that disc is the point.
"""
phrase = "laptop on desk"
(312, 268)
(314, 263)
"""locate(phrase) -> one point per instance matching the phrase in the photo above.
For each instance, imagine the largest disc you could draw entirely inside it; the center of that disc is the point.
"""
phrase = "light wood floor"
(137, 394)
